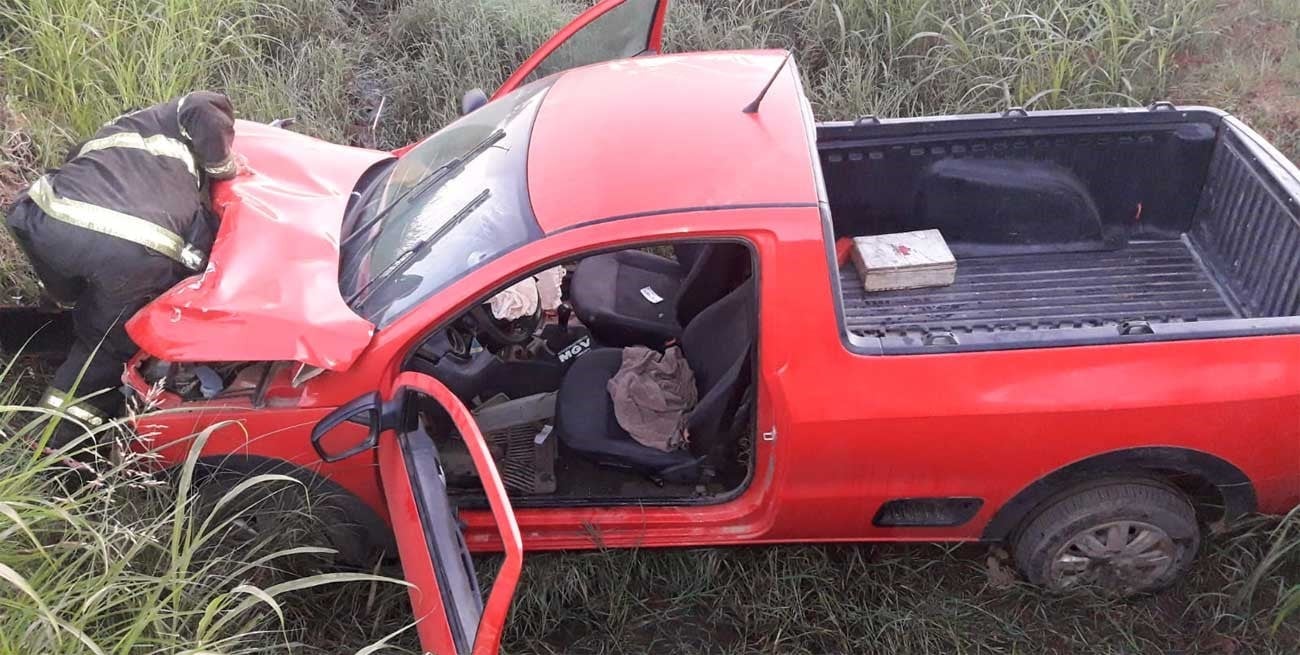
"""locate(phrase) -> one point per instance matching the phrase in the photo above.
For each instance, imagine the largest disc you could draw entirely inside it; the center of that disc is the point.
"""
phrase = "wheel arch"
(251, 465)
(1189, 470)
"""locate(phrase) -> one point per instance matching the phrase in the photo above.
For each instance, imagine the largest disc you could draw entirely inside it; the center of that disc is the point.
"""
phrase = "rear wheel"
(1124, 536)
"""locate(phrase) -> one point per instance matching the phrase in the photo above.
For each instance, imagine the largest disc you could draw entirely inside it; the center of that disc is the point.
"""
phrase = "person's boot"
(67, 431)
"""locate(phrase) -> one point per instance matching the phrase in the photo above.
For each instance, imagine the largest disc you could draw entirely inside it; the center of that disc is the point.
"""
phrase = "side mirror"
(473, 99)
(348, 430)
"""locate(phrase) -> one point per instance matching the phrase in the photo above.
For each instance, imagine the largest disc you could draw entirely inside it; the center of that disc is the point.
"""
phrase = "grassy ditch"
(128, 561)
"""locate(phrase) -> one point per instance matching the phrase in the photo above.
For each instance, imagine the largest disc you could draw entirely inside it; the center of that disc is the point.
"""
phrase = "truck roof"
(651, 135)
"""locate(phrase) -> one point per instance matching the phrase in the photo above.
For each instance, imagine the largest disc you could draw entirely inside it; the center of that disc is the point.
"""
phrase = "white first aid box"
(906, 260)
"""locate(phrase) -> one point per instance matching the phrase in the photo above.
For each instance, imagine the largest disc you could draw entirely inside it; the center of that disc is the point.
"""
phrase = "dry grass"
(1250, 66)
(17, 163)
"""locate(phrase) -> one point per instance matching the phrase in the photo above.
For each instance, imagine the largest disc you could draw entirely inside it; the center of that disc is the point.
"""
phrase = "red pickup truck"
(1116, 365)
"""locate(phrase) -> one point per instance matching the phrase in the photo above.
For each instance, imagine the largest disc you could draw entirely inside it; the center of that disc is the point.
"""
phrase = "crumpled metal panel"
(270, 291)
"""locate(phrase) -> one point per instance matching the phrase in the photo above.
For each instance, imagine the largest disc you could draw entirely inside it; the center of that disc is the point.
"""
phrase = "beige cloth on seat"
(653, 393)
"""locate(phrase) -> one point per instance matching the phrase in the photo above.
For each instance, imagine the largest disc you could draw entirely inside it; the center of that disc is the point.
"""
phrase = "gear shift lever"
(563, 313)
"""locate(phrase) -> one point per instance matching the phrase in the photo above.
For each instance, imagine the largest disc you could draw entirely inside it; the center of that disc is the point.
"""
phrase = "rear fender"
(1232, 484)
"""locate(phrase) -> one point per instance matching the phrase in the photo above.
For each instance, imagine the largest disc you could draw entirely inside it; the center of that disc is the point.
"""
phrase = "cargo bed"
(1158, 281)
(1069, 228)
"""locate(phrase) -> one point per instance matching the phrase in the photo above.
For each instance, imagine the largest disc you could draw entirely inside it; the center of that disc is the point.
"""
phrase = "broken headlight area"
(202, 381)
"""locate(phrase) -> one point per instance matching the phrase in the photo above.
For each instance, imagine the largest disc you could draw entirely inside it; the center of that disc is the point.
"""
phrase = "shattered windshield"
(454, 202)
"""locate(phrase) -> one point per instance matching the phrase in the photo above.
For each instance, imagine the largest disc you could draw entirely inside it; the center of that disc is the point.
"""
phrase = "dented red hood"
(270, 291)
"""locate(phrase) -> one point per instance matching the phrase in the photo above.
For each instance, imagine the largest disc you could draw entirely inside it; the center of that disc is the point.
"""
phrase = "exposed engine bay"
(200, 381)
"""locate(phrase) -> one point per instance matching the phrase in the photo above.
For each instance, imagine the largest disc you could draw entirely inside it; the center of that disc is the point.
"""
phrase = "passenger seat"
(632, 297)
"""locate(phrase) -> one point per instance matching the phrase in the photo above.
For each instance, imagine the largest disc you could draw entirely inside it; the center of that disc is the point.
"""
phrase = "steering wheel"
(515, 333)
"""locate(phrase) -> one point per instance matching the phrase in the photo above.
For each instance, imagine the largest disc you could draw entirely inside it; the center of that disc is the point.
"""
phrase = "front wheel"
(1124, 536)
(309, 511)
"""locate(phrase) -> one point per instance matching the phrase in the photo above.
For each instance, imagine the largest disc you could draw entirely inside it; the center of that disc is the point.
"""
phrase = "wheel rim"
(277, 513)
(1124, 556)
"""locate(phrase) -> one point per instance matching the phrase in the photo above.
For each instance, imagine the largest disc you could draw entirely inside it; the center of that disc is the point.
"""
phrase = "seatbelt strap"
(115, 224)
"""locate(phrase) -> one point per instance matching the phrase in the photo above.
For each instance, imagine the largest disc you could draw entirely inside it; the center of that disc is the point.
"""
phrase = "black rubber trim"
(1084, 119)
(368, 403)
(1233, 328)
(457, 583)
(941, 512)
(683, 210)
(1237, 490)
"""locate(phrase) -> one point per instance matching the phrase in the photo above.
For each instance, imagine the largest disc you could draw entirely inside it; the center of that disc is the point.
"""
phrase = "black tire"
(1124, 535)
(312, 511)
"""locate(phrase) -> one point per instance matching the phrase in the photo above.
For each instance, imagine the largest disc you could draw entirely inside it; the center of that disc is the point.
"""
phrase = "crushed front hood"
(270, 291)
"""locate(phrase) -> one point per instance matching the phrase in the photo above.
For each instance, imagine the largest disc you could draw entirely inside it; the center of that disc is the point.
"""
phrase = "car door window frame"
(654, 40)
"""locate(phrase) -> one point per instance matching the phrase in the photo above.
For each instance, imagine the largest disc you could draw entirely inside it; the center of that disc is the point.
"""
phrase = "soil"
(1250, 66)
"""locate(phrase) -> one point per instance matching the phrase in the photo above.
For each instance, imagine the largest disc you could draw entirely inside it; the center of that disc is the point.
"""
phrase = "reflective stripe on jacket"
(115, 224)
(142, 177)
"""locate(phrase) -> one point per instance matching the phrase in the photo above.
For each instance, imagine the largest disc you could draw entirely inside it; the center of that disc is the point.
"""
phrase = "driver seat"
(717, 346)
(632, 297)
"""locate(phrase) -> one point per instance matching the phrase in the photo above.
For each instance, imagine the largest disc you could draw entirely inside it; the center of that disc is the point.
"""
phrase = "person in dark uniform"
(122, 221)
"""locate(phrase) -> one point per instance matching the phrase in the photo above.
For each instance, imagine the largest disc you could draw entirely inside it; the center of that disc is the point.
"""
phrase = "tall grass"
(70, 65)
(918, 57)
(1280, 563)
(17, 163)
(886, 57)
(130, 562)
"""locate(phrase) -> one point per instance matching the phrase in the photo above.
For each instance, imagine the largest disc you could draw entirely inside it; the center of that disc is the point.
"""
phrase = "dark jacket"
(152, 164)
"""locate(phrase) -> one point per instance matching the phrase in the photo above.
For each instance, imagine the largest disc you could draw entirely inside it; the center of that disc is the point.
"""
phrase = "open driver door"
(449, 611)
(610, 29)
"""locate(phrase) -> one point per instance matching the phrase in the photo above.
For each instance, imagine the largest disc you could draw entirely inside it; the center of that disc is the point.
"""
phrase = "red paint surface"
(668, 132)
(427, 608)
(435, 636)
(271, 288)
(654, 43)
(282, 433)
(855, 431)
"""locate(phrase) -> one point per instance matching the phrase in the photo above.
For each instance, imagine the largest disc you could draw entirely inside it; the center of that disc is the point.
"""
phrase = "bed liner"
(1195, 234)
(1152, 281)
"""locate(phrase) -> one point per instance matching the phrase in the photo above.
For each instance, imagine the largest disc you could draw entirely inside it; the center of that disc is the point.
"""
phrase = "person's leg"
(84, 372)
(84, 385)
(93, 370)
